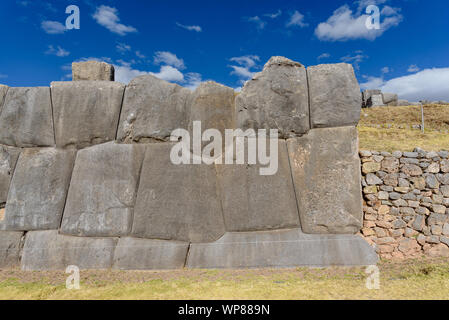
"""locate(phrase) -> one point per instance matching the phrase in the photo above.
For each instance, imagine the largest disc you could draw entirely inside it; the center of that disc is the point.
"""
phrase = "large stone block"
(276, 98)
(390, 99)
(176, 202)
(92, 70)
(152, 109)
(146, 254)
(326, 174)
(3, 91)
(10, 243)
(86, 112)
(102, 191)
(8, 160)
(38, 190)
(26, 118)
(281, 248)
(252, 201)
(335, 98)
(48, 250)
(213, 105)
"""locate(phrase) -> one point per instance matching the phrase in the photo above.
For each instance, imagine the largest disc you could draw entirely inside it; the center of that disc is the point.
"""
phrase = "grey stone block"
(86, 112)
(390, 99)
(276, 98)
(281, 248)
(326, 175)
(176, 202)
(252, 201)
(335, 98)
(376, 100)
(92, 70)
(146, 254)
(102, 191)
(3, 91)
(38, 190)
(8, 160)
(26, 118)
(48, 250)
(152, 109)
(10, 245)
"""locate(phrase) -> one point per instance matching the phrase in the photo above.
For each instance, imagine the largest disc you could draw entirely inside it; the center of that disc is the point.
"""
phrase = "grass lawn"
(417, 279)
(391, 128)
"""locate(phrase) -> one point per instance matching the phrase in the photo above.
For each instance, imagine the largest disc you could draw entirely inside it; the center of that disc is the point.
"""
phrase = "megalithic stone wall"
(86, 177)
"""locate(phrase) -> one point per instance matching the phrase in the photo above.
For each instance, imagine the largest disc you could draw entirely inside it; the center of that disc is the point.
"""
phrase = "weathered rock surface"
(326, 174)
(146, 254)
(375, 100)
(26, 118)
(213, 105)
(48, 250)
(3, 91)
(8, 160)
(38, 190)
(86, 112)
(92, 70)
(152, 109)
(176, 202)
(335, 98)
(252, 201)
(103, 190)
(10, 249)
(276, 98)
(281, 248)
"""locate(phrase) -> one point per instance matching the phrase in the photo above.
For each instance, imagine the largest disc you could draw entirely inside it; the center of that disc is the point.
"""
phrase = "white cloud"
(428, 84)
(125, 73)
(108, 18)
(343, 25)
(123, 48)
(169, 73)
(193, 80)
(324, 56)
(58, 51)
(273, 15)
(355, 59)
(53, 27)
(385, 70)
(140, 55)
(260, 24)
(168, 58)
(413, 68)
(296, 19)
(190, 28)
(245, 64)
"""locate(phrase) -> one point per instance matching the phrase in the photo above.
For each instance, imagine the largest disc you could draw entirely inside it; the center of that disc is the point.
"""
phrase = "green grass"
(417, 279)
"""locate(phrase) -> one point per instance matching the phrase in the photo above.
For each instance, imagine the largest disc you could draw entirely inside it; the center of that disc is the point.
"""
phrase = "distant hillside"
(398, 128)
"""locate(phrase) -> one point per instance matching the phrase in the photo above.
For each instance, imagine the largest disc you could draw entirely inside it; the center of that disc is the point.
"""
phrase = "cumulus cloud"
(53, 27)
(108, 17)
(169, 73)
(296, 19)
(124, 73)
(385, 70)
(193, 80)
(344, 25)
(428, 84)
(244, 66)
(190, 28)
(58, 51)
(168, 58)
(413, 68)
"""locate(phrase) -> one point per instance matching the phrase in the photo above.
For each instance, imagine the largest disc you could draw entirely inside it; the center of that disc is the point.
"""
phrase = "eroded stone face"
(276, 98)
(92, 70)
(8, 160)
(48, 250)
(102, 191)
(326, 174)
(335, 98)
(3, 90)
(152, 109)
(176, 202)
(10, 249)
(26, 118)
(38, 190)
(252, 201)
(86, 112)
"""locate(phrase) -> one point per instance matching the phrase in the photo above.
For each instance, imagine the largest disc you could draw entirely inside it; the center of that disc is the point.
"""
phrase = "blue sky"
(227, 41)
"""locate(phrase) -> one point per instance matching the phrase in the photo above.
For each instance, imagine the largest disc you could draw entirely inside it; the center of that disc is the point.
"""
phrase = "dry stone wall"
(86, 177)
(406, 202)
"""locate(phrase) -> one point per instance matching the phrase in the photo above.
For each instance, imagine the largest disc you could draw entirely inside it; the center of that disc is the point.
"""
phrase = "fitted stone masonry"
(86, 177)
